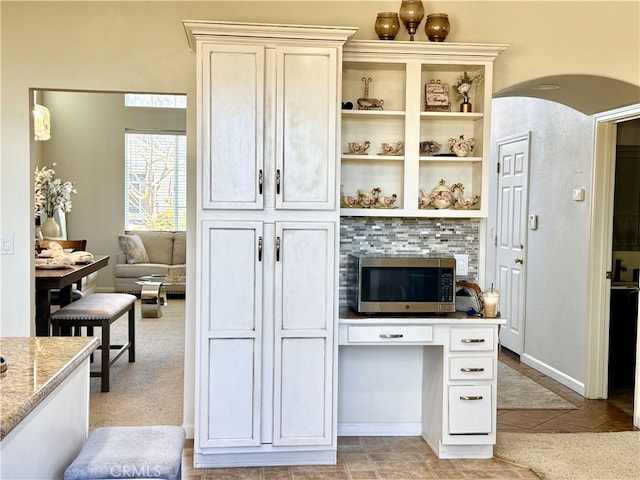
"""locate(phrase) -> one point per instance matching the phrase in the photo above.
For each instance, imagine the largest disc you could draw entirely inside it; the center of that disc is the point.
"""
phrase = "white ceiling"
(588, 94)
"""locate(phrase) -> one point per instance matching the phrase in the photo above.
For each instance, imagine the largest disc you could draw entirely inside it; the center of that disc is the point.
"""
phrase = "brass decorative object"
(437, 27)
(366, 103)
(411, 14)
(436, 97)
(387, 25)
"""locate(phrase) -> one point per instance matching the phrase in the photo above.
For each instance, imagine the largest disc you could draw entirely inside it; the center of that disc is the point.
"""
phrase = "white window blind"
(155, 181)
(154, 100)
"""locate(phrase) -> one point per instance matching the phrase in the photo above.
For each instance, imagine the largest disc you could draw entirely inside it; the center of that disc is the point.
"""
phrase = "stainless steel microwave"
(401, 284)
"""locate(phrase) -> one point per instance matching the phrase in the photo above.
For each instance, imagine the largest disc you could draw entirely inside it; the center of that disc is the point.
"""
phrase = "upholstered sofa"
(146, 253)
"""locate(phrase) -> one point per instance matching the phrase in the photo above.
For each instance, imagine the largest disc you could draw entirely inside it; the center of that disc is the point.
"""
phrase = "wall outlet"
(462, 264)
(578, 194)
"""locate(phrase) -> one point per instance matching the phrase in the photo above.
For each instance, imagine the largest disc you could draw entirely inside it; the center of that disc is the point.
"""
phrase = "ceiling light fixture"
(41, 120)
(41, 123)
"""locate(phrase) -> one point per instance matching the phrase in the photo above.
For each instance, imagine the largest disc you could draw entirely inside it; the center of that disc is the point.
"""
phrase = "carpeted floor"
(515, 391)
(574, 456)
(149, 391)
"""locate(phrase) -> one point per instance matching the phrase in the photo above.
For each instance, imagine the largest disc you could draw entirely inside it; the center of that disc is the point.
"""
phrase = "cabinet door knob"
(278, 181)
(473, 370)
(391, 335)
(260, 181)
(470, 397)
(472, 340)
(277, 249)
(260, 248)
(519, 260)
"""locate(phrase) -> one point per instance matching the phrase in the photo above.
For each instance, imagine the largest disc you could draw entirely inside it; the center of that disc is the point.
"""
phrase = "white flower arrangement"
(51, 193)
(464, 82)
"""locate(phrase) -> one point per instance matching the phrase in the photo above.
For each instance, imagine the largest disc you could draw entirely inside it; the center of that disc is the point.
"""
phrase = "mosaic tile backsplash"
(422, 236)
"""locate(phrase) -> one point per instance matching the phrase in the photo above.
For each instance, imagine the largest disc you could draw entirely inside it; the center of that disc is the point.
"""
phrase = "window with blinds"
(155, 181)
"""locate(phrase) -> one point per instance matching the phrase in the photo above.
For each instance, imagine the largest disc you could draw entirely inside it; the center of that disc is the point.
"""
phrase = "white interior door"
(511, 237)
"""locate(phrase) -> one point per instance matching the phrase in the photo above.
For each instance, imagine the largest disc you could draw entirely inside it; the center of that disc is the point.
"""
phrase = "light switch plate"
(462, 264)
(578, 194)
(6, 244)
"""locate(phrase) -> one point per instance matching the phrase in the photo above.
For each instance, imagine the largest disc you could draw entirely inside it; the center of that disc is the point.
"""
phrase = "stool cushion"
(97, 306)
(129, 452)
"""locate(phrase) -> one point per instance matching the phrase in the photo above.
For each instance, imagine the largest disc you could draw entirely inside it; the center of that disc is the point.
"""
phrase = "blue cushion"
(129, 452)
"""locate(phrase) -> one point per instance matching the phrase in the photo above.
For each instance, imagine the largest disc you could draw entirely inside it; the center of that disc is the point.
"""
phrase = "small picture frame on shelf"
(436, 97)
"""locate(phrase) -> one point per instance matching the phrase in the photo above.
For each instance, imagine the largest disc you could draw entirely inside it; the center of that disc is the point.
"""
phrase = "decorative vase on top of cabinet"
(399, 73)
(267, 224)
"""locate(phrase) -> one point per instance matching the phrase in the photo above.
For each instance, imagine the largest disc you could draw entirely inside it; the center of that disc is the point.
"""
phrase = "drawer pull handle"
(472, 340)
(476, 369)
(391, 335)
(470, 397)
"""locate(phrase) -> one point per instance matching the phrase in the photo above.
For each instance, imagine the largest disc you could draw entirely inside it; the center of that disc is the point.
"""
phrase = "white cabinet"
(283, 93)
(399, 72)
(256, 331)
(470, 410)
(458, 385)
(471, 386)
(267, 223)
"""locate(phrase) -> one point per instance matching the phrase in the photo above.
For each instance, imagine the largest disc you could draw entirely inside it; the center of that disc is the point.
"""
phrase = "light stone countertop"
(35, 367)
(348, 316)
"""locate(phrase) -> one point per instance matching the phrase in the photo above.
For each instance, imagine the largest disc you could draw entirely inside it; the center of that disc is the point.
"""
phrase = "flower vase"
(50, 228)
(466, 106)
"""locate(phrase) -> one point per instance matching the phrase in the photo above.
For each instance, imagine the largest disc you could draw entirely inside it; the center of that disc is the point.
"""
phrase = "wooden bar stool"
(100, 310)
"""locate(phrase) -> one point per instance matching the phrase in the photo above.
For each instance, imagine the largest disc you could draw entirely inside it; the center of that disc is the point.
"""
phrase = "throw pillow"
(133, 248)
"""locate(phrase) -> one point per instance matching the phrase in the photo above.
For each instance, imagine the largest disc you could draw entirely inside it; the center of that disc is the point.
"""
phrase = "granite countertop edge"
(8, 423)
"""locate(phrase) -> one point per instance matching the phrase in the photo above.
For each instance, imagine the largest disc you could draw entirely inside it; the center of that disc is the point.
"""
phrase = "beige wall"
(141, 46)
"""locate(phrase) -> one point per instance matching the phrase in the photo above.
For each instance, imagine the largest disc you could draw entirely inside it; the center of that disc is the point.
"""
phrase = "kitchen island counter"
(44, 412)
(35, 367)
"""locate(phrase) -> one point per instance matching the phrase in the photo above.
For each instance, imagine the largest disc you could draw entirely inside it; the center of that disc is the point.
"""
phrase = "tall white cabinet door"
(231, 335)
(306, 123)
(304, 318)
(232, 136)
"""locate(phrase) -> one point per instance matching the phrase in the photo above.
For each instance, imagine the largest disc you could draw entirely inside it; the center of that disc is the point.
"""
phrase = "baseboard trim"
(379, 429)
(554, 373)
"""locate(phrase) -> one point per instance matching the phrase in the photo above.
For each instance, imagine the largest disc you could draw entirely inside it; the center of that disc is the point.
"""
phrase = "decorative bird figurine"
(349, 201)
(386, 202)
(368, 199)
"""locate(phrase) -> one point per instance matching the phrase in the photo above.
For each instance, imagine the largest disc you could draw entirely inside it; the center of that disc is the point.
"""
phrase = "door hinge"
(608, 275)
(498, 168)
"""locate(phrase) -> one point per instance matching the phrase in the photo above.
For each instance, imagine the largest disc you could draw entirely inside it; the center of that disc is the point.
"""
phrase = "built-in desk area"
(433, 376)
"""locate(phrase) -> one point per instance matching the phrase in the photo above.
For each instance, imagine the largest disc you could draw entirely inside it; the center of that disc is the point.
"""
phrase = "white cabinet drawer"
(470, 409)
(390, 334)
(471, 339)
(471, 368)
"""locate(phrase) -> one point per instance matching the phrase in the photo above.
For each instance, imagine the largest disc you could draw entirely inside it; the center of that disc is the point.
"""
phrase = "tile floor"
(404, 458)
